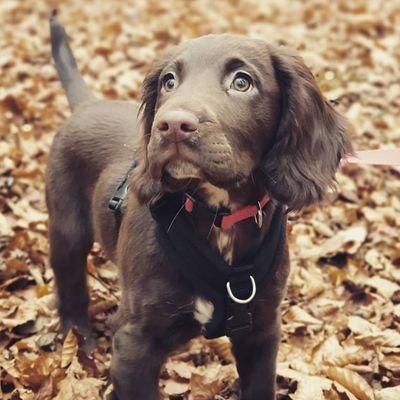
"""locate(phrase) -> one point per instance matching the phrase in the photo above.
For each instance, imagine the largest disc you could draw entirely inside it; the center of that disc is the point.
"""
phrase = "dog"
(230, 129)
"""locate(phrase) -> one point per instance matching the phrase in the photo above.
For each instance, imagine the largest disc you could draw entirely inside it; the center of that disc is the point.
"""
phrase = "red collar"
(224, 218)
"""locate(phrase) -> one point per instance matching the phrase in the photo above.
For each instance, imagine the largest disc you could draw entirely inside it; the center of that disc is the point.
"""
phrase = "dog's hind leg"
(71, 238)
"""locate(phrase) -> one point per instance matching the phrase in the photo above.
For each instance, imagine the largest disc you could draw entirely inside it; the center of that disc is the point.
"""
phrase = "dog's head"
(227, 110)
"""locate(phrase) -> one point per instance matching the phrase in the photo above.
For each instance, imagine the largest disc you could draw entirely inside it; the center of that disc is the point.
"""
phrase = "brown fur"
(281, 137)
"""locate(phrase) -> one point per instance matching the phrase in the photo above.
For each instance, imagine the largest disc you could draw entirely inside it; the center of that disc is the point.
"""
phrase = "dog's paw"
(89, 344)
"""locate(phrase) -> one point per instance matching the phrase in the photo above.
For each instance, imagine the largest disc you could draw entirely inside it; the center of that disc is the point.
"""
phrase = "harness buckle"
(120, 193)
(259, 217)
(240, 321)
(115, 203)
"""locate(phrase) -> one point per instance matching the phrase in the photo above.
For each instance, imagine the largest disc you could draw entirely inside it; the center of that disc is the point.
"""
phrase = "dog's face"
(234, 102)
(224, 109)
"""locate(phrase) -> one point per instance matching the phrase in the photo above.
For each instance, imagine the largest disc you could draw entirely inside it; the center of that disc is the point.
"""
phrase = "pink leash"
(374, 157)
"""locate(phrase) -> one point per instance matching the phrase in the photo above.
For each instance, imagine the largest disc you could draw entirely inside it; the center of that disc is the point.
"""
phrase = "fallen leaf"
(69, 349)
(351, 381)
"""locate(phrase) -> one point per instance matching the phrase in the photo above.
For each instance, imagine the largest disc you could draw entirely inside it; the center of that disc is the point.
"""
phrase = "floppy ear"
(142, 183)
(311, 138)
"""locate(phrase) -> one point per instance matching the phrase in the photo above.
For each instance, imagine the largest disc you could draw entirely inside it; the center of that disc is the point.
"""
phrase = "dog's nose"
(177, 126)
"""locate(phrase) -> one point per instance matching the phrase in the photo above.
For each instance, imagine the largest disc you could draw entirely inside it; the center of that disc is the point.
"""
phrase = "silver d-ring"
(242, 301)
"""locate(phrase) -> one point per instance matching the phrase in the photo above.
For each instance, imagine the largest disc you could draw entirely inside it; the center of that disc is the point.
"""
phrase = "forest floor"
(341, 316)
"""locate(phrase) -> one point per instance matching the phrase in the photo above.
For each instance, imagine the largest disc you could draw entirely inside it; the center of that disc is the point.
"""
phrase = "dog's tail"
(75, 88)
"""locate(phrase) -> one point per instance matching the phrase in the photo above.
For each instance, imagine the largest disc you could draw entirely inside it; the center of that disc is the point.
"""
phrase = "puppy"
(230, 134)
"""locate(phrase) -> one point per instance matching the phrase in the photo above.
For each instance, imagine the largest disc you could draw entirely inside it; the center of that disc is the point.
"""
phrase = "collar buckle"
(259, 217)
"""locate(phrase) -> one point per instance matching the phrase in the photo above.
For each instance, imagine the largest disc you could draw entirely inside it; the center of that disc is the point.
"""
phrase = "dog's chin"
(182, 169)
(181, 175)
(178, 175)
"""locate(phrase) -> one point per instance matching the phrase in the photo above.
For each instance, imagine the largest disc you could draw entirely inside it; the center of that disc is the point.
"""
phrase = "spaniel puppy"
(226, 123)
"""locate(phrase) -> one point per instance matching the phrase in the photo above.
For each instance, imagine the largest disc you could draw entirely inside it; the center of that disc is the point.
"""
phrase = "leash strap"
(374, 157)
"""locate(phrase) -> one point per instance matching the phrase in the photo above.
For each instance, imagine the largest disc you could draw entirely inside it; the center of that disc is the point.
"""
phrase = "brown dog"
(226, 122)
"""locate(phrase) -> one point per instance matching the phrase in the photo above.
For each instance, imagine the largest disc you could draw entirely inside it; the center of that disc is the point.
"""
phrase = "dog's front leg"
(136, 364)
(255, 355)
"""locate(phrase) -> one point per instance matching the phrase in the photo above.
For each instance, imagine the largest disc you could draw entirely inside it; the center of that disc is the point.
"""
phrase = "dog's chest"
(225, 242)
(222, 240)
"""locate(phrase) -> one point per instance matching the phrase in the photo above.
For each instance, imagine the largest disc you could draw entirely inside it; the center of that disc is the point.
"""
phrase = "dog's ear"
(150, 89)
(311, 138)
(142, 183)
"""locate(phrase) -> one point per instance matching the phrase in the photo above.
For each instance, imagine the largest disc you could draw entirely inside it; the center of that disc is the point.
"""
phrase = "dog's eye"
(169, 82)
(242, 82)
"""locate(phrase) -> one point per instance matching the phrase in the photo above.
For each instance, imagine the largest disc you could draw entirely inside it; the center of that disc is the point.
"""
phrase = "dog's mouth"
(177, 174)
(182, 169)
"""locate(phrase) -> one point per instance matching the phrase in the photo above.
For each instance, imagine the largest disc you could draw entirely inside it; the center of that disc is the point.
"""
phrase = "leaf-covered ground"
(341, 318)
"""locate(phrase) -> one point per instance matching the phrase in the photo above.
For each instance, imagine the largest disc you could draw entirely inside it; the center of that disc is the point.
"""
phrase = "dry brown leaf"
(351, 381)
(313, 284)
(334, 393)
(383, 286)
(376, 260)
(23, 394)
(390, 393)
(5, 228)
(180, 369)
(392, 363)
(26, 312)
(310, 387)
(76, 385)
(222, 346)
(353, 356)
(347, 241)
(9, 366)
(387, 338)
(69, 349)
(35, 369)
(359, 325)
(297, 314)
(205, 387)
(173, 388)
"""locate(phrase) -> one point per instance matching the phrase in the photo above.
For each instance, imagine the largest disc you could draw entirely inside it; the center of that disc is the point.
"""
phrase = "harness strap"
(209, 274)
(116, 202)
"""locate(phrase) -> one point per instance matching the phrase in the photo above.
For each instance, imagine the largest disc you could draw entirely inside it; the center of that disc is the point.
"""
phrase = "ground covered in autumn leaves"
(341, 318)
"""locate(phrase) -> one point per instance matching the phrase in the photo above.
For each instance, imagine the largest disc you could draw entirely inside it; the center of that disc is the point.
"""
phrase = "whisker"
(189, 182)
(212, 223)
(252, 179)
(196, 188)
(175, 217)
(180, 209)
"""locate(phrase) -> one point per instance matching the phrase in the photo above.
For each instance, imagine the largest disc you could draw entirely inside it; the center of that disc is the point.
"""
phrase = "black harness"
(230, 288)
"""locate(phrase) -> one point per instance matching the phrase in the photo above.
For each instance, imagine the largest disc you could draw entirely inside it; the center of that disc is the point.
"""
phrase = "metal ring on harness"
(242, 301)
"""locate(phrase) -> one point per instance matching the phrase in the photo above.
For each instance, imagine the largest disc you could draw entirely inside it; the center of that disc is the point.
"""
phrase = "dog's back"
(89, 155)
(99, 132)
